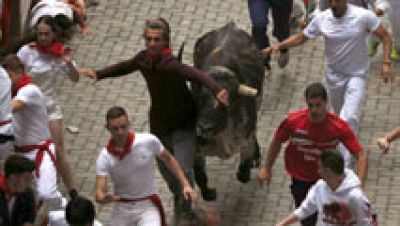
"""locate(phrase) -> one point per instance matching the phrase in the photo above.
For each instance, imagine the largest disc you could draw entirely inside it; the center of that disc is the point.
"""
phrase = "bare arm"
(383, 142)
(73, 72)
(102, 196)
(174, 167)
(387, 70)
(292, 41)
(17, 105)
(273, 152)
(292, 218)
(362, 164)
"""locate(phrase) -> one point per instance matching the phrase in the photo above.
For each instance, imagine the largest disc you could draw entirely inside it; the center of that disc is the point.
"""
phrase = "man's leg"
(394, 17)
(299, 191)
(351, 111)
(62, 158)
(46, 183)
(123, 214)
(182, 144)
(336, 84)
(149, 214)
(258, 10)
(281, 11)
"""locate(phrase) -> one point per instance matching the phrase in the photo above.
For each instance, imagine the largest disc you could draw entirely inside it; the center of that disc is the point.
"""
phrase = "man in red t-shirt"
(309, 132)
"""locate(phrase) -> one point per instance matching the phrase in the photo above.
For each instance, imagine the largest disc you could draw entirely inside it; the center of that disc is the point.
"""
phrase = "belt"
(42, 148)
(155, 199)
(2, 123)
(6, 138)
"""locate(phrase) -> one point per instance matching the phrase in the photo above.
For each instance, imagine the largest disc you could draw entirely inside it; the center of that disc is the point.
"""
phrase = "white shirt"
(5, 102)
(133, 176)
(31, 124)
(43, 68)
(345, 38)
(348, 193)
(50, 8)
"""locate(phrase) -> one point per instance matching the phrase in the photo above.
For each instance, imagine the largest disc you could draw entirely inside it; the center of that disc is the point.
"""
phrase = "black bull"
(229, 55)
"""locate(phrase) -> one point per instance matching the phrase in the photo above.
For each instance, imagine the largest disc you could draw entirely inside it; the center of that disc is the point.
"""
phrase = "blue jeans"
(258, 10)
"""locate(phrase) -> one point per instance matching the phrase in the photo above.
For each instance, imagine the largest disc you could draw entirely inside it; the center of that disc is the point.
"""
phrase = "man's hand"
(90, 73)
(383, 144)
(222, 97)
(189, 194)
(387, 73)
(67, 55)
(263, 176)
(108, 198)
(270, 50)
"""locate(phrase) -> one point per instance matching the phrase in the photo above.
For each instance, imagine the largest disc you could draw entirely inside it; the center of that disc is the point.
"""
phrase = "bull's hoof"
(209, 194)
(243, 175)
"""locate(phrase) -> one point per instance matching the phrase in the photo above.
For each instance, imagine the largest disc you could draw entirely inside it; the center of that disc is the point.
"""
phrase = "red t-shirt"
(307, 140)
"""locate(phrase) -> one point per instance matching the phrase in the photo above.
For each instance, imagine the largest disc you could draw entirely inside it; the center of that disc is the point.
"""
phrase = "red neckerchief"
(4, 187)
(127, 149)
(25, 80)
(154, 58)
(55, 49)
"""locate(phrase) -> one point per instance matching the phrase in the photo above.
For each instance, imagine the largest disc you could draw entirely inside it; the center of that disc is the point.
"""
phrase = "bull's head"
(211, 119)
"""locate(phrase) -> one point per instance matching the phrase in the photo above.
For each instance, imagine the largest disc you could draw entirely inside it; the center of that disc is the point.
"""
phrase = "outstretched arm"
(292, 41)
(264, 175)
(384, 142)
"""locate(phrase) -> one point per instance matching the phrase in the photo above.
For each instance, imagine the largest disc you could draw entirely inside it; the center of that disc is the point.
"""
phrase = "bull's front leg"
(249, 158)
(201, 178)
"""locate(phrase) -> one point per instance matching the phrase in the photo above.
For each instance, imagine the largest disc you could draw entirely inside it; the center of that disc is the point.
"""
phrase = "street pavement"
(117, 29)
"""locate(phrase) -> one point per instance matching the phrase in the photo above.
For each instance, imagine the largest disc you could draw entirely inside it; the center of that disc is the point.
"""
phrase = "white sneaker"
(283, 59)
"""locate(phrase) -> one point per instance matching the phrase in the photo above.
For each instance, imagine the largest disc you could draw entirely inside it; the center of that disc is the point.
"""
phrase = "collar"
(25, 80)
(56, 49)
(153, 58)
(127, 149)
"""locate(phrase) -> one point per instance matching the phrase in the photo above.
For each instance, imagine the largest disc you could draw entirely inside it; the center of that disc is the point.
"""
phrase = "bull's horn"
(245, 90)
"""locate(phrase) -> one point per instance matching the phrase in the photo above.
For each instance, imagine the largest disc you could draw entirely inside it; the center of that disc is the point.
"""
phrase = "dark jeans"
(182, 144)
(258, 10)
(299, 191)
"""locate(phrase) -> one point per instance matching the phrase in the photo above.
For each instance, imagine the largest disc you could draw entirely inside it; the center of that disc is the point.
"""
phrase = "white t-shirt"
(50, 8)
(345, 38)
(133, 176)
(5, 102)
(31, 124)
(43, 68)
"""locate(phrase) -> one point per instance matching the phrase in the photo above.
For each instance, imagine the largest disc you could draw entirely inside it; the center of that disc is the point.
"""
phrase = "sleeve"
(23, 54)
(156, 146)
(193, 74)
(309, 205)
(349, 140)
(371, 21)
(5, 85)
(382, 4)
(27, 95)
(313, 28)
(63, 68)
(365, 214)
(283, 131)
(102, 165)
(119, 69)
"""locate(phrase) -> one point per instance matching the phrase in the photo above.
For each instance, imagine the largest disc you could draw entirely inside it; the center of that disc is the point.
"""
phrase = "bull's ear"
(216, 55)
(245, 90)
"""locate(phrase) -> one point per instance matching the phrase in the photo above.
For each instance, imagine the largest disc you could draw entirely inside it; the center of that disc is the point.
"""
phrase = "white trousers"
(46, 183)
(346, 94)
(142, 213)
(394, 18)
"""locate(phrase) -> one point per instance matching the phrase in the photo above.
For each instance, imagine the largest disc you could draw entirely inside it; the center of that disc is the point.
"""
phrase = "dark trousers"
(299, 191)
(258, 10)
(182, 144)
